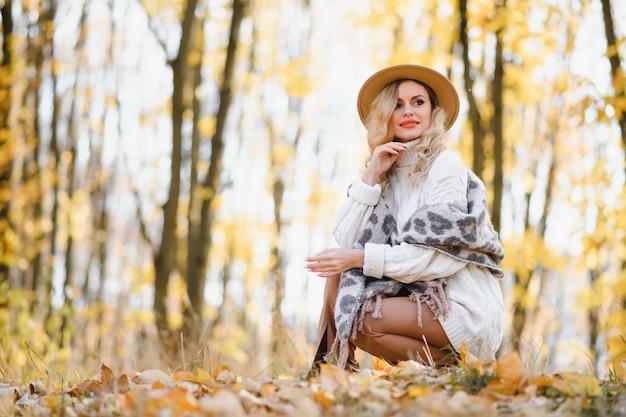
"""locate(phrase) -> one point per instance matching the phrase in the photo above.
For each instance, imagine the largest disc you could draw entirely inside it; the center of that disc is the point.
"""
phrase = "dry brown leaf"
(103, 382)
(407, 388)
(38, 388)
(267, 390)
(123, 383)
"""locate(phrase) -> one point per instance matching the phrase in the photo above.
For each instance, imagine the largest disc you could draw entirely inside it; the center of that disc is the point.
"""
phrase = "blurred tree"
(497, 118)
(7, 148)
(474, 115)
(165, 255)
(618, 101)
(487, 124)
(201, 232)
(186, 79)
(618, 77)
(534, 141)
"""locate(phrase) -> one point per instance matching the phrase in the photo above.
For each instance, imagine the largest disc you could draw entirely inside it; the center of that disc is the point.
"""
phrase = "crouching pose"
(416, 274)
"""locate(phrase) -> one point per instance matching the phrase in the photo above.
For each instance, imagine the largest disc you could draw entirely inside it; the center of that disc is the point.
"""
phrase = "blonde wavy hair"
(379, 130)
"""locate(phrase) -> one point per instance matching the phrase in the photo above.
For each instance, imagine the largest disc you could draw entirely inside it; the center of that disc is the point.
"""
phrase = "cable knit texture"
(459, 230)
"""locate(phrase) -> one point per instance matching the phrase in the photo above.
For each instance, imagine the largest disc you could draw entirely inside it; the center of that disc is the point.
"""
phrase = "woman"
(416, 272)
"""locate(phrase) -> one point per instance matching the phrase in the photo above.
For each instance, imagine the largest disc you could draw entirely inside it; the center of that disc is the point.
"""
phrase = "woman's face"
(411, 116)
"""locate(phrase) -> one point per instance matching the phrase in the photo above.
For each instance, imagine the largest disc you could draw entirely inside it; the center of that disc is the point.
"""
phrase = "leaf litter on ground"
(503, 388)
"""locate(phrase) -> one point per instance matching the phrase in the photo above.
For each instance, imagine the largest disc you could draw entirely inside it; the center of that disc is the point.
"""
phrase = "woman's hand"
(335, 261)
(382, 158)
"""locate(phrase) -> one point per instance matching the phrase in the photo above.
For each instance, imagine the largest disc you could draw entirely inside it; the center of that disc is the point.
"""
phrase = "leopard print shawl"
(462, 233)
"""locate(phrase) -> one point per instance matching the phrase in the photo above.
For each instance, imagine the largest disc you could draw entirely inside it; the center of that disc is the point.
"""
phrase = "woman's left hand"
(334, 261)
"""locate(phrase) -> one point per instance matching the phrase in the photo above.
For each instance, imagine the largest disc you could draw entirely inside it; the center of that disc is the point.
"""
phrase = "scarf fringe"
(377, 313)
(435, 297)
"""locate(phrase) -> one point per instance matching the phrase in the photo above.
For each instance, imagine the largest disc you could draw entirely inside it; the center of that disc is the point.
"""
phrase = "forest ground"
(504, 388)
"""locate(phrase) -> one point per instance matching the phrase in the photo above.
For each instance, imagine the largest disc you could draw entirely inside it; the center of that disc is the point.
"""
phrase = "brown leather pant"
(394, 337)
(327, 330)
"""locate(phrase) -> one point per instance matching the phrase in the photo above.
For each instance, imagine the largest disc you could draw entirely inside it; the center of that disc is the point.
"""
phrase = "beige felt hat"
(447, 97)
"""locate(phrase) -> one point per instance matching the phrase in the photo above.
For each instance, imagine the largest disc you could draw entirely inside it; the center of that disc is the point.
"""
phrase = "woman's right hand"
(381, 160)
(335, 261)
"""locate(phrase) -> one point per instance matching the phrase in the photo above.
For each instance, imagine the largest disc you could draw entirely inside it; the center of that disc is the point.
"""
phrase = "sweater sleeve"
(408, 263)
(354, 212)
(446, 183)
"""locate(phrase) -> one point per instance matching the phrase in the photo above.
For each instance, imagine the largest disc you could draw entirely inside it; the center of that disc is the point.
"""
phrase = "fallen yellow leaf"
(419, 391)
(324, 398)
(575, 384)
(380, 364)
(510, 368)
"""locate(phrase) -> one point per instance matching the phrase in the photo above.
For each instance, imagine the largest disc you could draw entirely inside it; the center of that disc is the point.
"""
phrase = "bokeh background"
(167, 165)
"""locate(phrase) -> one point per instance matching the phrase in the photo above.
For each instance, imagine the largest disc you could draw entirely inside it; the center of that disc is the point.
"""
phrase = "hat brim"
(447, 96)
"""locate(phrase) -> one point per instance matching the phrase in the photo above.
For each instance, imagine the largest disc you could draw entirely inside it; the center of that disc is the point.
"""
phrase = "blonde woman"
(416, 274)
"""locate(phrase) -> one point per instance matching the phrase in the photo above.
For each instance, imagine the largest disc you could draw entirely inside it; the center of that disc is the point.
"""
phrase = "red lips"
(408, 123)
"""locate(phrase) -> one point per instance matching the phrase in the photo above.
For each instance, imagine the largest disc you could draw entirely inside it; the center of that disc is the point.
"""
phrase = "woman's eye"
(418, 102)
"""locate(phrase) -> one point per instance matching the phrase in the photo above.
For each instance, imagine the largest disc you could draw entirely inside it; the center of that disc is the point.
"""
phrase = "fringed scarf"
(463, 233)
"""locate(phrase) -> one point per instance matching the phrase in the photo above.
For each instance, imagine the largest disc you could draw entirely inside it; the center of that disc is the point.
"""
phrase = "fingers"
(383, 157)
(321, 266)
(322, 263)
(392, 148)
(323, 256)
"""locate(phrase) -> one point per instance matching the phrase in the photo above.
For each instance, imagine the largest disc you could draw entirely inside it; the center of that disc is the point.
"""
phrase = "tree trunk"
(199, 250)
(617, 72)
(6, 75)
(165, 257)
(68, 282)
(497, 129)
(475, 119)
(522, 281)
(44, 52)
(593, 315)
(53, 167)
(193, 317)
(70, 182)
(277, 274)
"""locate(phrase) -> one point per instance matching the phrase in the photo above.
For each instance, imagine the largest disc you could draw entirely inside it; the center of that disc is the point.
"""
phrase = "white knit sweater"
(476, 315)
